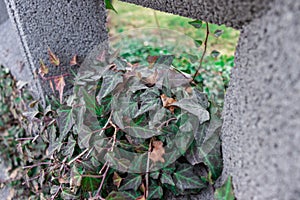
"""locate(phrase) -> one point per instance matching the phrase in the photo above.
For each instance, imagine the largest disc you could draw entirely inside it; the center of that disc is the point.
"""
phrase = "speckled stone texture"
(261, 132)
(232, 13)
(3, 12)
(10, 52)
(67, 27)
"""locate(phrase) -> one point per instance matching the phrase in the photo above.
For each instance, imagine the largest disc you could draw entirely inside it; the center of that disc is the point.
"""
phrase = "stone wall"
(3, 12)
(261, 133)
(66, 27)
(232, 13)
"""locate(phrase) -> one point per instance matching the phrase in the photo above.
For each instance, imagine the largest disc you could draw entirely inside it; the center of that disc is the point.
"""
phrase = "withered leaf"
(43, 70)
(117, 179)
(141, 198)
(151, 80)
(51, 86)
(53, 58)
(157, 152)
(167, 101)
(59, 86)
(74, 61)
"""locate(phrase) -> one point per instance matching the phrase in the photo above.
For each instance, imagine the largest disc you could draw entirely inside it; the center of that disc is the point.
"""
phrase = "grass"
(133, 27)
(131, 16)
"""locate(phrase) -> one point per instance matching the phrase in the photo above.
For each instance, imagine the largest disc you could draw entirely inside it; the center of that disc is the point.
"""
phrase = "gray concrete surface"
(4, 189)
(3, 12)
(10, 52)
(232, 13)
(261, 132)
(66, 27)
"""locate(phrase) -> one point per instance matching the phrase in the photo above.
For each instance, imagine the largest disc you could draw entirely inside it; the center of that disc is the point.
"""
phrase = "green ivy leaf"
(218, 33)
(154, 174)
(198, 43)
(192, 106)
(68, 150)
(167, 179)
(54, 144)
(215, 53)
(164, 60)
(209, 153)
(109, 83)
(196, 23)
(155, 191)
(115, 196)
(84, 136)
(186, 179)
(76, 177)
(108, 5)
(90, 183)
(68, 195)
(132, 181)
(65, 121)
(141, 132)
(225, 192)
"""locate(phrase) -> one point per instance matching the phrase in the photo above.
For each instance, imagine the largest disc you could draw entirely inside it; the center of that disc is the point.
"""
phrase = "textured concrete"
(10, 52)
(232, 13)
(4, 189)
(261, 132)
(67, 27)
(3, 12)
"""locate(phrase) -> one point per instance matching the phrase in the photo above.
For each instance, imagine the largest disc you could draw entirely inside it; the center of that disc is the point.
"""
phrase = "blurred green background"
(136, 47)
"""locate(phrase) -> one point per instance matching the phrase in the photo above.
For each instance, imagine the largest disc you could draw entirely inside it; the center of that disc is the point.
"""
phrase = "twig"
(24, 139)
(115, 135)
(204, 52)
(98, 195)
(102, 182)
(158, 26)
(90, 151)
(166, 122)
(101, 170)
(69, 163)
(54, 77)
(108, 122)
(36, 165)
(92, 176)
(56, 193)
(147, 170)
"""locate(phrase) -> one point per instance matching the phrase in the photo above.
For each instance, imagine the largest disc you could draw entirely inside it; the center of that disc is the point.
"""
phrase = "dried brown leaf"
(53, 58)
(74, 61)
(51, 86)
(117, 179)
(157, 152)
(59, 86)
(141, 198)
(43, 70)
(151, 80)
(167, 101)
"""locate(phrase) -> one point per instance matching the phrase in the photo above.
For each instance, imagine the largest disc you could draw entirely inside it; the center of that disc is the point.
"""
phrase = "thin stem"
(92, 176)
(204, 52)
(166, 122)
(102, 182)
(69, 163)
(36, 165)
(158, 26)
(106, 124)
(115, 135)
(54, 77)
(147, 170)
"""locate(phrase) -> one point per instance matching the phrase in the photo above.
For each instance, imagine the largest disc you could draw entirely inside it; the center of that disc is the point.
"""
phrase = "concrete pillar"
(66, 27)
